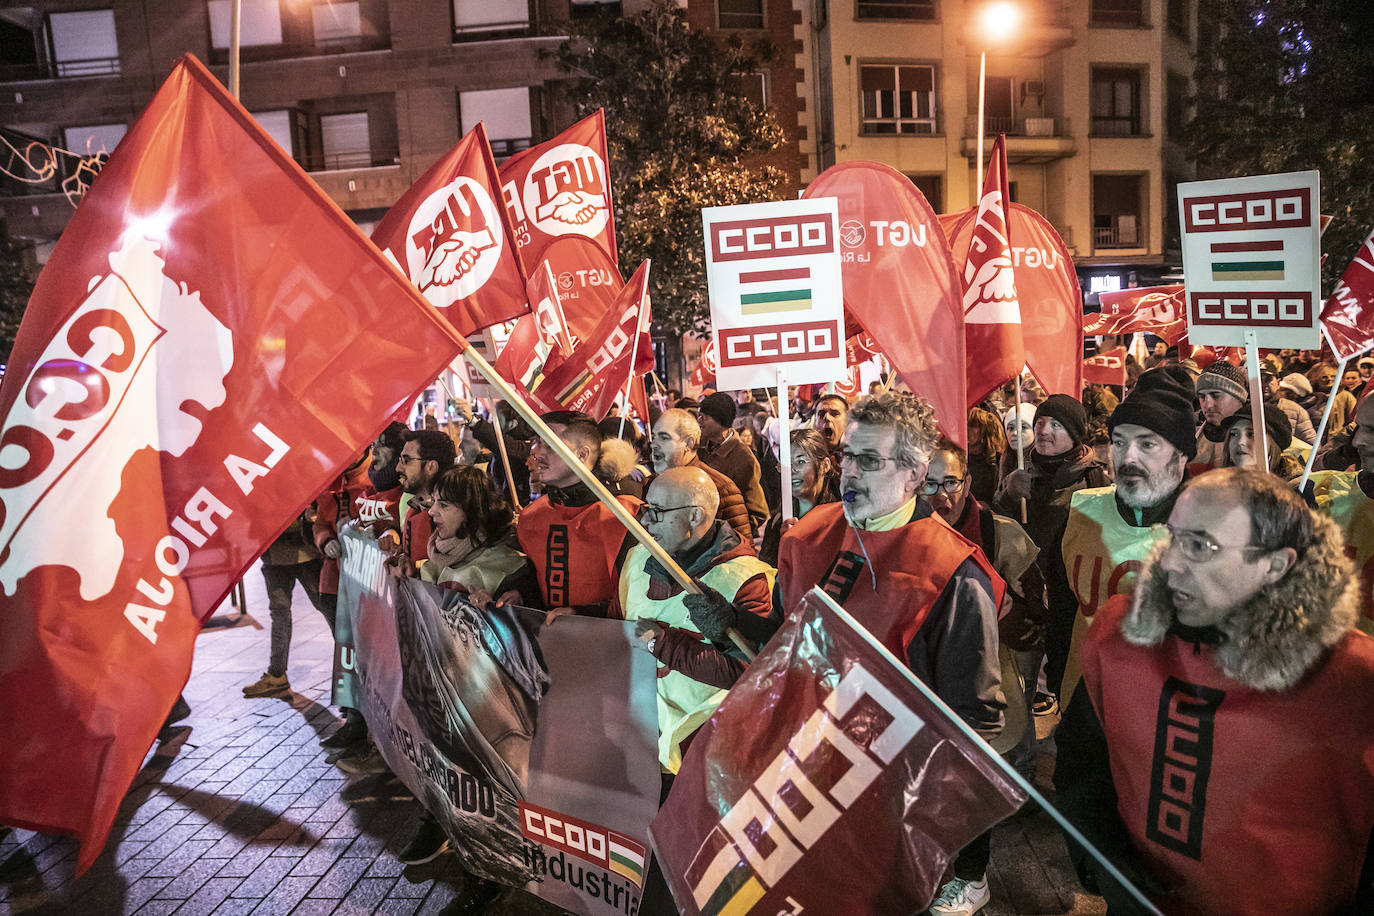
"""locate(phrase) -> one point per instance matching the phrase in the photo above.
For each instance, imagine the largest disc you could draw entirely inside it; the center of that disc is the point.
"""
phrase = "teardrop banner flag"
(448, 233)
(1047, 289)
(210, 344)
(900, 283)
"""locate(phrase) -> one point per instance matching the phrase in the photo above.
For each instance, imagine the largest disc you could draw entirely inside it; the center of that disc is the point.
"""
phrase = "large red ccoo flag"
(210, 343)
(1348, 316)
(448, 233)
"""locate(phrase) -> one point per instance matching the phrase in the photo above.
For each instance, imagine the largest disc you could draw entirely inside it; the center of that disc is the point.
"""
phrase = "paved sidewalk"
(237, 812)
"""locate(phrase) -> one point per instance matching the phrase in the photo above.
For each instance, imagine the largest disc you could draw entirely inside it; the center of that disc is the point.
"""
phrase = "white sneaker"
(961, 897)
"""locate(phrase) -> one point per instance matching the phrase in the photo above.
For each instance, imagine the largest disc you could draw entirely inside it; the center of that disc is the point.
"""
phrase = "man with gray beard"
(1111, 530)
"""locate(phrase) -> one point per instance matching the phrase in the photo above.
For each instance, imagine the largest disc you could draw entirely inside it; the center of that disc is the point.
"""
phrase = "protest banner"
(899, 276)
(488, 717)
(165, 419)
(1106, 368)
(448, 234)
(826, 782)
(1251, 260)
(1159, 310)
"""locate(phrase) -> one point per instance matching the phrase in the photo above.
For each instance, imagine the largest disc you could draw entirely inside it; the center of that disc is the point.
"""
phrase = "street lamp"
(997, 21)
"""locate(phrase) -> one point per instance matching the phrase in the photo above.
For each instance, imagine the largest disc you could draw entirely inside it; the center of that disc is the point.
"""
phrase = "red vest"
(913, 565)
(574, 550)
(415, 532)
(1245, 801)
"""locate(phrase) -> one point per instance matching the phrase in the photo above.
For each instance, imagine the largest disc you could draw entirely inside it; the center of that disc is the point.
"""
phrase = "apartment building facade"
(1090, 93)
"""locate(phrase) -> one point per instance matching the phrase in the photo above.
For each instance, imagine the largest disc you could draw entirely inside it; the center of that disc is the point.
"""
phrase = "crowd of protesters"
(984, 570)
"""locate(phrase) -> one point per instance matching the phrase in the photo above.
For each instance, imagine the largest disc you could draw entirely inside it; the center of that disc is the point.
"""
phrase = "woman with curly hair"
(471, 544)
(987, 440)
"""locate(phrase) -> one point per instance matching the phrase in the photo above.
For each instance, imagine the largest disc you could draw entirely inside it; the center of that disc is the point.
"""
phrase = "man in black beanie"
(1111, 530)
(1222, 389)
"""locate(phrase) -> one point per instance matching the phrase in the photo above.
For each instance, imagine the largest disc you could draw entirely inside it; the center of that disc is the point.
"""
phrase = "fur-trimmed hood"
(1275, 637)
(617, 460)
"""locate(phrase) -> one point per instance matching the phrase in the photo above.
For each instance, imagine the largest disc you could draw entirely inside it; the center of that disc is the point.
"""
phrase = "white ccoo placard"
(777, 302)
(1252, 259)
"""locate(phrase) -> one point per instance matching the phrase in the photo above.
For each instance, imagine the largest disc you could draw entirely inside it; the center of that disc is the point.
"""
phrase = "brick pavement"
(237, 812)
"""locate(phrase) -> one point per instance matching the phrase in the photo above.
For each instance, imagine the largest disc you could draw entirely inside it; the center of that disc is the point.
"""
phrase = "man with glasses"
(686, 633)
(425, 455)
(1111, 530)
(1221, 751)
(923, 591)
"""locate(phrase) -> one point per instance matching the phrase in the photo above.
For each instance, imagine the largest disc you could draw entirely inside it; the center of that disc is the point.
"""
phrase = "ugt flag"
(210, 343)
(1348, 316)
(992, 313)
(449, 234)
(825, 783)
(590, 379)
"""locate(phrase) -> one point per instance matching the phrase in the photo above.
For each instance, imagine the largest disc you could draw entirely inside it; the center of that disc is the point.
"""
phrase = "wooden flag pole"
(584, 474)
(1020, 436)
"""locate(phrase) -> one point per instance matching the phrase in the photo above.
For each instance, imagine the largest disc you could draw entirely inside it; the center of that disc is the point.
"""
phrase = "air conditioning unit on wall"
(1032, 89)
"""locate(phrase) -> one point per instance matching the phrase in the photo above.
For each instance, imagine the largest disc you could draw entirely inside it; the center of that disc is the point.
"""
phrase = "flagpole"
(1020, 436)
(235, 18)
(500, 443)
(584, 474)
(784, 445)
(1257, 425)
(1321, 427)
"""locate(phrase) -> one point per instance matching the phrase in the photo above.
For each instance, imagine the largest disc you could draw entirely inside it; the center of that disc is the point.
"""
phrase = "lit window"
(898, 99)
(1104, 283)
(259, 23)
(504, 112)
(83, 44)
(336, 23)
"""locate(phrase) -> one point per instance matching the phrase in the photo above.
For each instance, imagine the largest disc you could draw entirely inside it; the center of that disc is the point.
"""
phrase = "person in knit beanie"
(1160, 406)
(1222, 389)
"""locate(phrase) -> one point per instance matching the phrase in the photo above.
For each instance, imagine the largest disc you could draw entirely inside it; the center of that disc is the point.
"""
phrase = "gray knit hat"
(1225, 377)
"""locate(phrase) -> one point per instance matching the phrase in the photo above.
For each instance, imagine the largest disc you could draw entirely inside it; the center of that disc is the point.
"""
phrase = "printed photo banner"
(541, 768)
(825, 783)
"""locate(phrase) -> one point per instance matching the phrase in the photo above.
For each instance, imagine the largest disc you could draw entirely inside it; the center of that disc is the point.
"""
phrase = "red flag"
(1047, 290)
(825, 776)
(639, 399)
(902, 278)
(538, 342)
(705, 372)
(561, 189)
(1157, 309)
(1348, 316)
(547, 307)
(450, 237)
(992, 312)
(211, 341)
(1106, 368)
(590, 379)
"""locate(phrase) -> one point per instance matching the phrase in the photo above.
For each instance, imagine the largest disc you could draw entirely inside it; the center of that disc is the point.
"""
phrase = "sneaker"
(370, 761)
(1045, 704)
(430, 843)
(268, 686)
(961, 897)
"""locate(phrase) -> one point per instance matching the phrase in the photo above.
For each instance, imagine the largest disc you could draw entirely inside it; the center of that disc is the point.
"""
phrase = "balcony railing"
(487, 31)
(1017, 127)
(350, 159)
(96, 66)
(509, 146)
(349, 44)
(1124, 232)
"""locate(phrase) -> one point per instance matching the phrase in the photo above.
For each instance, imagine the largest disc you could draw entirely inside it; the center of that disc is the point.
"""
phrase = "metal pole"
(1257, 401)
(585, 475)
(982, 86)
(235, 17)
(784, 445)
(1321, 428)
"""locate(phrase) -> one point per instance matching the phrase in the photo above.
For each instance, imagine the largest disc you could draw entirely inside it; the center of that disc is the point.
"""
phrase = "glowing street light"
(998, 22)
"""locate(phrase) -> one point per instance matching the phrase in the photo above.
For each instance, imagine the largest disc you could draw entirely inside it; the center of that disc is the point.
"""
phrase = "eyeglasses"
(865, 461)
(406, 459)
(654, 514)
(1199, 548)
(950, 485)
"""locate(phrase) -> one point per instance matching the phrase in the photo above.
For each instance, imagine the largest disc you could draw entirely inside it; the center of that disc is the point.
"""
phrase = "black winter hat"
(1069, 412)
(1162, 402)
(719, 407)
(1276, 424)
